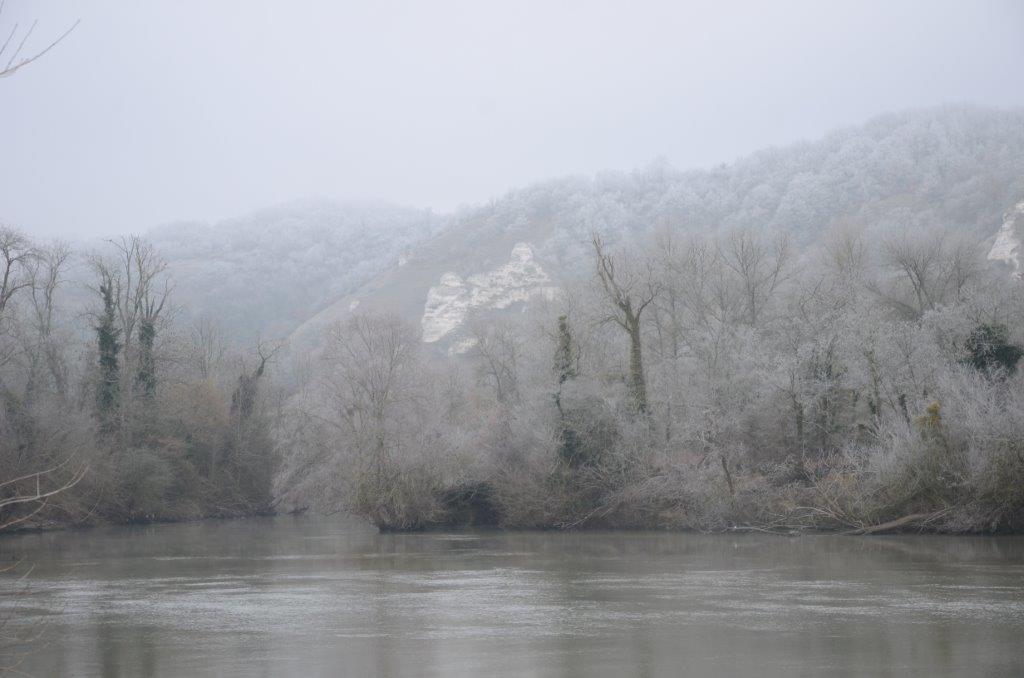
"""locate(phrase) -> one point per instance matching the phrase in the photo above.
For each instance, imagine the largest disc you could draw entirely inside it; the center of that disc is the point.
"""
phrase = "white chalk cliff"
(451, 300)
(1007, 247)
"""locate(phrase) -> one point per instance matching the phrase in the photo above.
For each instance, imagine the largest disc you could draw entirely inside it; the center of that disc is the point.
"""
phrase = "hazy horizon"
(641, 337)
(449, 105)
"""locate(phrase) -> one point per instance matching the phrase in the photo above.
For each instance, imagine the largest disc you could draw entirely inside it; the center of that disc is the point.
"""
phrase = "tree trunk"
(637, 384)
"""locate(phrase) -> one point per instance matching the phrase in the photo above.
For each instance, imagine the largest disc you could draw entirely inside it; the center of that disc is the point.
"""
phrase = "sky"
(156, 111)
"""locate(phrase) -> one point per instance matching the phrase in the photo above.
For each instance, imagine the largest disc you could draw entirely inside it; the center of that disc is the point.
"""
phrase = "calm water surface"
(311, 596)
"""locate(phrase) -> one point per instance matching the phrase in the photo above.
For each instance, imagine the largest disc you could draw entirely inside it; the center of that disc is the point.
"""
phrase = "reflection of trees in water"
(17, 640)
(635, 603)
(333, 595)
(125, 651)
(612, 550)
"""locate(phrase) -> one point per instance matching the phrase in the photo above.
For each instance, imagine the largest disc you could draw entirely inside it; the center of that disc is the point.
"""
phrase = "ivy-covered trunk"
(108, 390)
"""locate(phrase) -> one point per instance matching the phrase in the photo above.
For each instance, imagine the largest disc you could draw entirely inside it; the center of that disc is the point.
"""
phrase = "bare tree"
(16, 256)
(206, 347)
(669, 308)
(23, 268)
(243, 398)
(143, 288)
(629, 290)
(135, 279)
(499, 352)
(917, 262)
(368, 358)
(846, 251)
(929, 268)
(13, 47)
(681, 301)
(383, 441)
(46, 271)
(962, 265)
(760, 267)
(705, 294)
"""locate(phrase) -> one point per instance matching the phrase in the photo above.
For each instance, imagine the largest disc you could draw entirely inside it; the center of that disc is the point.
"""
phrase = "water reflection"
(308, 596)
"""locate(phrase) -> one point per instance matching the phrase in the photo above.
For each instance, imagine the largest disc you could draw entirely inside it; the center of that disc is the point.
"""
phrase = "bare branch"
(13, 65)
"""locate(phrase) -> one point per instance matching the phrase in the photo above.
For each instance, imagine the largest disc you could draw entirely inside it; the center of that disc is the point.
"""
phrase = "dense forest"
(112, 411)
(699, 383)
(812, 337)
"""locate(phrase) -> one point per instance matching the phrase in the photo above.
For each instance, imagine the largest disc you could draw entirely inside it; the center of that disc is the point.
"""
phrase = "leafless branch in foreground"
(13, 63)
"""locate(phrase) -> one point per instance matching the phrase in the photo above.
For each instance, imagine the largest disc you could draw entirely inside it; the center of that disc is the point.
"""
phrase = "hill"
(955, 167)
(263, 274)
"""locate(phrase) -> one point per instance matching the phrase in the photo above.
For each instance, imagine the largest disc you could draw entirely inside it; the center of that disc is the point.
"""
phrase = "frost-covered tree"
(629, 289)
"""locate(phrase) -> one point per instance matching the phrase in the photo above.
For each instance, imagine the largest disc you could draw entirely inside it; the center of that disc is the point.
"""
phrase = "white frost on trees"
(450, 301)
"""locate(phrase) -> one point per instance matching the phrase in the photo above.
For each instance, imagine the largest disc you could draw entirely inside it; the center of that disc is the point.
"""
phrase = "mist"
(642, 338)
(161, 111)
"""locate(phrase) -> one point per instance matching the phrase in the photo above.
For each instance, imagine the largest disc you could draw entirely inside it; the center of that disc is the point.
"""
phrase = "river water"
(315, 596)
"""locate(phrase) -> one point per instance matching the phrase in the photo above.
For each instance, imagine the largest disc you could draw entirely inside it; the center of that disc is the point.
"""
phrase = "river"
(329, 596)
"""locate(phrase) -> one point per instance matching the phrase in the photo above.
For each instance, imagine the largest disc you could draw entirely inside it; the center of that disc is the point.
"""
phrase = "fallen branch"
(39, 494)
(899, 522)
(40, 497)
(780, 531)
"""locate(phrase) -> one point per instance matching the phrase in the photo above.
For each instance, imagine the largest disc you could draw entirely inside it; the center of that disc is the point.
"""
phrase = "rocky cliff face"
(1007, 247)
(450, 302)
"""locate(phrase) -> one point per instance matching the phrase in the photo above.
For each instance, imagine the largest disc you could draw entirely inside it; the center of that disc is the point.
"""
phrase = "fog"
(159, 111)
(437, 322)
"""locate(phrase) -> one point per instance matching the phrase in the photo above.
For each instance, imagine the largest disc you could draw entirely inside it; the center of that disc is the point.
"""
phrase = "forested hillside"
(956, 168)
(809, 337)
(263, 274)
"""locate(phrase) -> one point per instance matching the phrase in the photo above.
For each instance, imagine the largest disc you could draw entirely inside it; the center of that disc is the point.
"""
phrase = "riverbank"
(47, 526)
(834, 496)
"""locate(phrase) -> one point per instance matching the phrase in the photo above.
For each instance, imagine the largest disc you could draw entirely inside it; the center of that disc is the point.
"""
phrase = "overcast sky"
(157, 111)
